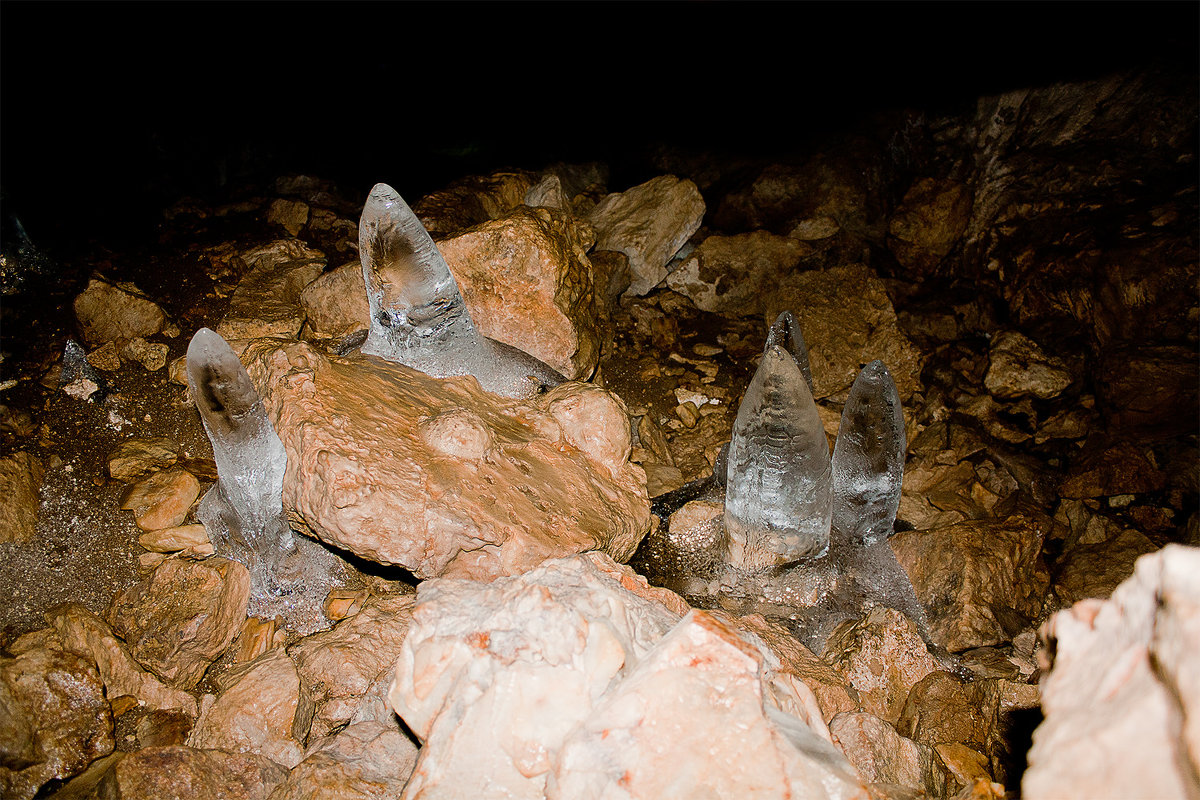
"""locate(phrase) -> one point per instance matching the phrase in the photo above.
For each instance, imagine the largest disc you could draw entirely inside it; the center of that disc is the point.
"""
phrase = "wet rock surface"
(1026, 267)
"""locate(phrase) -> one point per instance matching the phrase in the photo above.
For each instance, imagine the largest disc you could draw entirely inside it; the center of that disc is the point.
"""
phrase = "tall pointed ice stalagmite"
(418, 317)
(868, 458)
(786, 333)
(243, 512)
(778, 481)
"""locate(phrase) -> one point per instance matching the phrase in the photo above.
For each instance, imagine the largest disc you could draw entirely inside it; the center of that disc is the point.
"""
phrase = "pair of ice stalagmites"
(418, 318)
(803, 535)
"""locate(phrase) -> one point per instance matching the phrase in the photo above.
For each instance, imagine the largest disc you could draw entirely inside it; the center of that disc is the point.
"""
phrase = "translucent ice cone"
(786, 333)
(778, 483)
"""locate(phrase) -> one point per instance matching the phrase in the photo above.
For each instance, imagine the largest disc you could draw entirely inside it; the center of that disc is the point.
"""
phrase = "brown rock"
(1094, 570)
(335, 304)
(538, 479)
(1018, 368)
(107, 312)
(883, 756)
(339, 667)
(136, 458)
(649, 223)
(178, 619)
(105, 357)
(928, 223)
(847, 321)
(54, 718)
(1107, 468)
(163, 499)
(259, 711)
(172, 540)
(472, 200)
(366, 761)
(151, 355)
(291, 215)
(996, 587)
(730, 274)
(20, 485)
(174, 772)
(527, 282)
(1151, 389)
(881, 656)
(267, 299)
(85, 634)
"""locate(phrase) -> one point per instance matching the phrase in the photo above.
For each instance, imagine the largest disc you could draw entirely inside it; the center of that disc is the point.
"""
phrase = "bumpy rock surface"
(561, 683)
(883, 756)
(183, 615)
(1019, 367)
(54, 718)
(20, 483)
(108, 312)
(928, 223)
(267, 299)
(172, 772)
(726, 274)
(335, 304)
(366, 761)
(527, 281)
(441, 477)
(134, 459)
(1122, 699)
(649, 223)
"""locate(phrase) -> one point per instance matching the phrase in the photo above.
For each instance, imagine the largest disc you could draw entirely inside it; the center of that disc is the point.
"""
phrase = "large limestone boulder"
(527, 282)
(443, 478)
(562, 683)
(1122, 698)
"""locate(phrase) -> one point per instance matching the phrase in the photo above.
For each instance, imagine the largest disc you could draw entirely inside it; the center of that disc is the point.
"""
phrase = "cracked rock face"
(443, 478)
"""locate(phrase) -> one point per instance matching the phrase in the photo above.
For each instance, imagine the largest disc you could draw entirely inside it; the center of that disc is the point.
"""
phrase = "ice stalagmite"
(778, 480)
(868, 458)
(243, 512)
(418, 317)
(786, 333)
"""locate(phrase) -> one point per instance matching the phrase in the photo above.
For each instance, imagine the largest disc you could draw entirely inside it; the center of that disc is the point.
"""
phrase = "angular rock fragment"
(109, 312)
(136, 458)
(365, 761)
(727, 274)
(267, 299)
(163, 499)
(20, 484)
(418, 317)
(335, 304)
(929, 222)
(78, 378)
(175, 771)
(1018, 367)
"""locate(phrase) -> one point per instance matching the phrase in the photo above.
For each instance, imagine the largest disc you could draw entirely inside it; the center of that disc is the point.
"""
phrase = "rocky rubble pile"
(1034, 301)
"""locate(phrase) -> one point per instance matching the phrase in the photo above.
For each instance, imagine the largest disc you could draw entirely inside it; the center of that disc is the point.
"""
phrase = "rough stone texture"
(1152, 390)
(997, 584)
(1122, 698)
(178, 619)
(366, 761)
(105, 357)
(729, 274)
(134, 459)
(548, 193)
(85, 634)
(178, 772)
(882, 656)
(172, 540)
(109, 312)
(1105, 468)
(163, 499)
(561, 683)
(291, 215)
(54, 718)
(20, 485)
(1019, 368)
(335, 304)
(527, 282)
(847, 321)
(649, 223)
(259, 710)
(883, 756)
(931, 218)
(472, 200)
(267, 299)
(441, 477)
(151, 355)
(339, 667)
(1095, 570)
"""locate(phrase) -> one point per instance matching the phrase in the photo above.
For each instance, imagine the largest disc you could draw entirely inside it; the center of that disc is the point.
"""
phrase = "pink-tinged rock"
(259, 710)
(20, 485)
(108, 312)
(340, 666)
(54, 718)
(163, 499)
(998, 577)
(1122, 698)
(266, 301)
(882, 656)
(366, 761)
(848, 321)
(335, 304)
(527, 282)
(731, 274)
(649, 223)
(85, 634)
(883, 756)
(930, 220)
(184, 773)
(443, 478)
(181, 617)
(563, 683)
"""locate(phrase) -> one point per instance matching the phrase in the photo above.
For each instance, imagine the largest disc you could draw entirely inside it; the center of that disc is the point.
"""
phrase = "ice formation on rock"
(418, 317)
(243, 511)
(803, 537)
